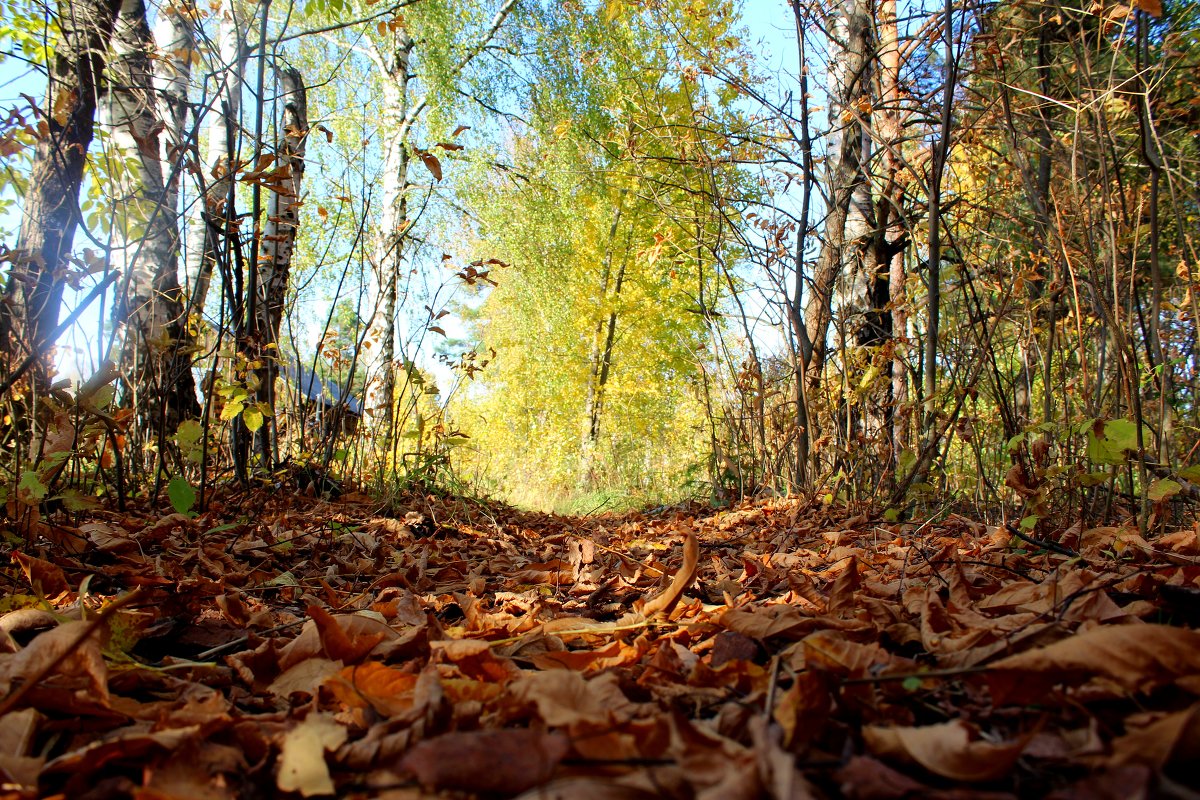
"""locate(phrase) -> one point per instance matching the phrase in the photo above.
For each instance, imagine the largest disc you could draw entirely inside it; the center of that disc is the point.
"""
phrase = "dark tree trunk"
(33, 296)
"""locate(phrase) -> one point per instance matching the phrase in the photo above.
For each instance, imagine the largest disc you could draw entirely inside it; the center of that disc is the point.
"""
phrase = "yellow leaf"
(302, 766)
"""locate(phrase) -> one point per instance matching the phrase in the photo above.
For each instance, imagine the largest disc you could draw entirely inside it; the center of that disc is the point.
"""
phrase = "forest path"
(441, 644)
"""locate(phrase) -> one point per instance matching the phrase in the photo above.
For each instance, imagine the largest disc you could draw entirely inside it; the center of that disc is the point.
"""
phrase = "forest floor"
(278, 645)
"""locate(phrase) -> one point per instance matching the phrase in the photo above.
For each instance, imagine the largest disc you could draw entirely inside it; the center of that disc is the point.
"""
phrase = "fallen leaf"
(345, 645)
(302, 766)
(388, 691)
(951, 749)
(82, 665)
(1159, 740)
(47, 579)
(1136, 658)
(505, 761)
(564, 698)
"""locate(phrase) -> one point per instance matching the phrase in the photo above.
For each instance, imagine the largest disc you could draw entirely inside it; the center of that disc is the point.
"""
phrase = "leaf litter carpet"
(279, 646)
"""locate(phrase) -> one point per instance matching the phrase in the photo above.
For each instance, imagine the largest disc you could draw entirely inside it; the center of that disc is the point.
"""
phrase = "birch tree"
(220, 110)
(279, 231)
(406, 101)
(145, 240)
(849, 27)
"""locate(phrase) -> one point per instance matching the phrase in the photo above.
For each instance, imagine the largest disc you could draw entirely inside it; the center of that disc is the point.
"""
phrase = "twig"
(933, 673)
(1042, 543)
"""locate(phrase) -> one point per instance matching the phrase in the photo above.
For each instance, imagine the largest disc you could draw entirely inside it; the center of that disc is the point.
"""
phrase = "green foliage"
(1163, 489)
(30, 488)
(26, 28)
(181, 494)
(1111, 441)
(605, 230)
(189, 439)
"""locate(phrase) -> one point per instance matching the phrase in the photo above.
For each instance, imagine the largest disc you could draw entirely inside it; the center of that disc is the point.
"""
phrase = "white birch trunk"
(145, 232)
(220, 121)
(849, 59)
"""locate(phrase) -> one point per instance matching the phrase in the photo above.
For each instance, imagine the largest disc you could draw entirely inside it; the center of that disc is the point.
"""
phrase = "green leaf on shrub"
(1163, 488)
(181, 494)
(188, 437)
(31, 487)
(253, 418)
(1109, 442)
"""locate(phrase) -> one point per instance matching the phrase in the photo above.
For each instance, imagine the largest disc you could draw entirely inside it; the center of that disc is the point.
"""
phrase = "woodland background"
(595, 255)
(884, 314)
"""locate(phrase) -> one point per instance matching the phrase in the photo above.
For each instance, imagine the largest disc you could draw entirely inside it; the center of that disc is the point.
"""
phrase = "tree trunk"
(393, 223)
(891, 238)
(279, 233)
(33, 296)
(601, 354)
(934, 264)
(145, 237)
(850, 44)
(401, 113)
(208, 227)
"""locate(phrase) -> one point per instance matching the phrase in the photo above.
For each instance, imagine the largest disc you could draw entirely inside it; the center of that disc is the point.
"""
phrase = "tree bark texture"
(850, 42)
(283, 222)
(156, 366)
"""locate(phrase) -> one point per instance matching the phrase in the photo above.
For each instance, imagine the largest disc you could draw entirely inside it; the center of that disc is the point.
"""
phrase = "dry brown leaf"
(388, 691)
(505, 761)
(358, 630)
(587, 789)
(1134, 657)
(1159, 740)
(664, 603)
(82, 666)
(803, 710)
(475, 659)
(833, 652)
(952, 750)
(196, 771)
(17, 731)
(47, 579)
(107, 537)
(766, 622)
(345, 645)
(614, 654)
(565, 698)
(131, 748)
(432, 164)
(305, 677)
(865, 778)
